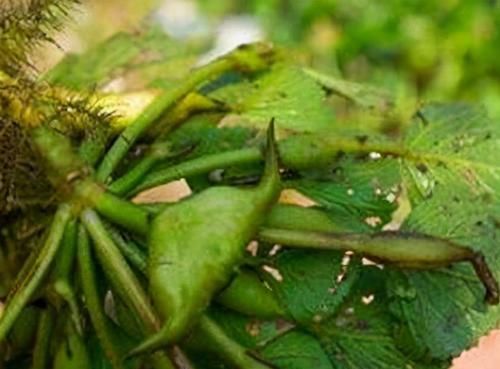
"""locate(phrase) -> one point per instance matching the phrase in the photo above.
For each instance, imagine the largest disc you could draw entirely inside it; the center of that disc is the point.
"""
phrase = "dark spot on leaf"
(422, 117)
(339, 155)
(362, 139)
(422, 168)
(362, 325)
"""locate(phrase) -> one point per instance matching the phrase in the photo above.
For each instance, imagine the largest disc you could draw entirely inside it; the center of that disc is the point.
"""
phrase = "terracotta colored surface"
(170, 192)
(485, 356)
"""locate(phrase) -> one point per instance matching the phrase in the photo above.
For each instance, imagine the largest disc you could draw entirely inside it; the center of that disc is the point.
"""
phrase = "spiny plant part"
(232, 276)
(24, 25)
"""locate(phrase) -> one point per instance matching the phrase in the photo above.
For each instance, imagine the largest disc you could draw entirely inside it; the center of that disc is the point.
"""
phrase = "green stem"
(41, 353)
(296, 152)
(133, 253)
(248, 58)
(200, 165)
(61, 277)
(133, 177)
(213, 338)
(39, 269)
(121, 212)
(93, 300)
(116, 267)
(154, 111)
(124, 281)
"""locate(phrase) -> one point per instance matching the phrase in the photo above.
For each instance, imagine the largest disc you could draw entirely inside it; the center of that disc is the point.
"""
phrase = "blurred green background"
(428, 49)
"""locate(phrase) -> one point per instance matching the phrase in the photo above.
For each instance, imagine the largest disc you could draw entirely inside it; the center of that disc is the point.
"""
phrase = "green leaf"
(451, 144)
(285, 93)
(137, 58)
(444, 309)
(296, 350)
(207, 138)
(275, 341)
(453, 176)
(247, 331)
(364, 96)
(96, 65)
(356, 192)
(314, 284)
(361, 335)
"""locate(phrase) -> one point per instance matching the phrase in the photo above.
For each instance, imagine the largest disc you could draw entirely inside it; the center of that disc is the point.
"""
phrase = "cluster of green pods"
(165, 266)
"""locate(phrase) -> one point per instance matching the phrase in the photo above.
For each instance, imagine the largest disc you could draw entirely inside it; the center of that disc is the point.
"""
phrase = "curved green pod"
(248, 295)
(403, 250)
(195, 246)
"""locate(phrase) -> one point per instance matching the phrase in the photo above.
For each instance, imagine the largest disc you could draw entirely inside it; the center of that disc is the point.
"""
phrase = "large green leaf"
(276, 342)
(314, 284)
(355, 192)
(285, 93)
(136, 59)
(364, 96)
(444, 309)
(451, 143)
(453, 175)
(361, 335)
(96, 65)
(296, 350)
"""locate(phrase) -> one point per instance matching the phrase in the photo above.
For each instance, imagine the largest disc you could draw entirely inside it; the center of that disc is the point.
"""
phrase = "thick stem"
(34, 277)
(121, 212)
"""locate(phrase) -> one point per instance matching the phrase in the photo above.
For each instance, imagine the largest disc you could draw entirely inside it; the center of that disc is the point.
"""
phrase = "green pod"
(248, 295)
(44, 334)
(196, 245)
(403, 250)
(23, 331)
(306, 150)
(72, 352)
(312, 219)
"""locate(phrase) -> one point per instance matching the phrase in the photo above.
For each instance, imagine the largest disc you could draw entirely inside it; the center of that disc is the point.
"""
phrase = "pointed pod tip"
(152, 343)
(271, 140)
(271, 171)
